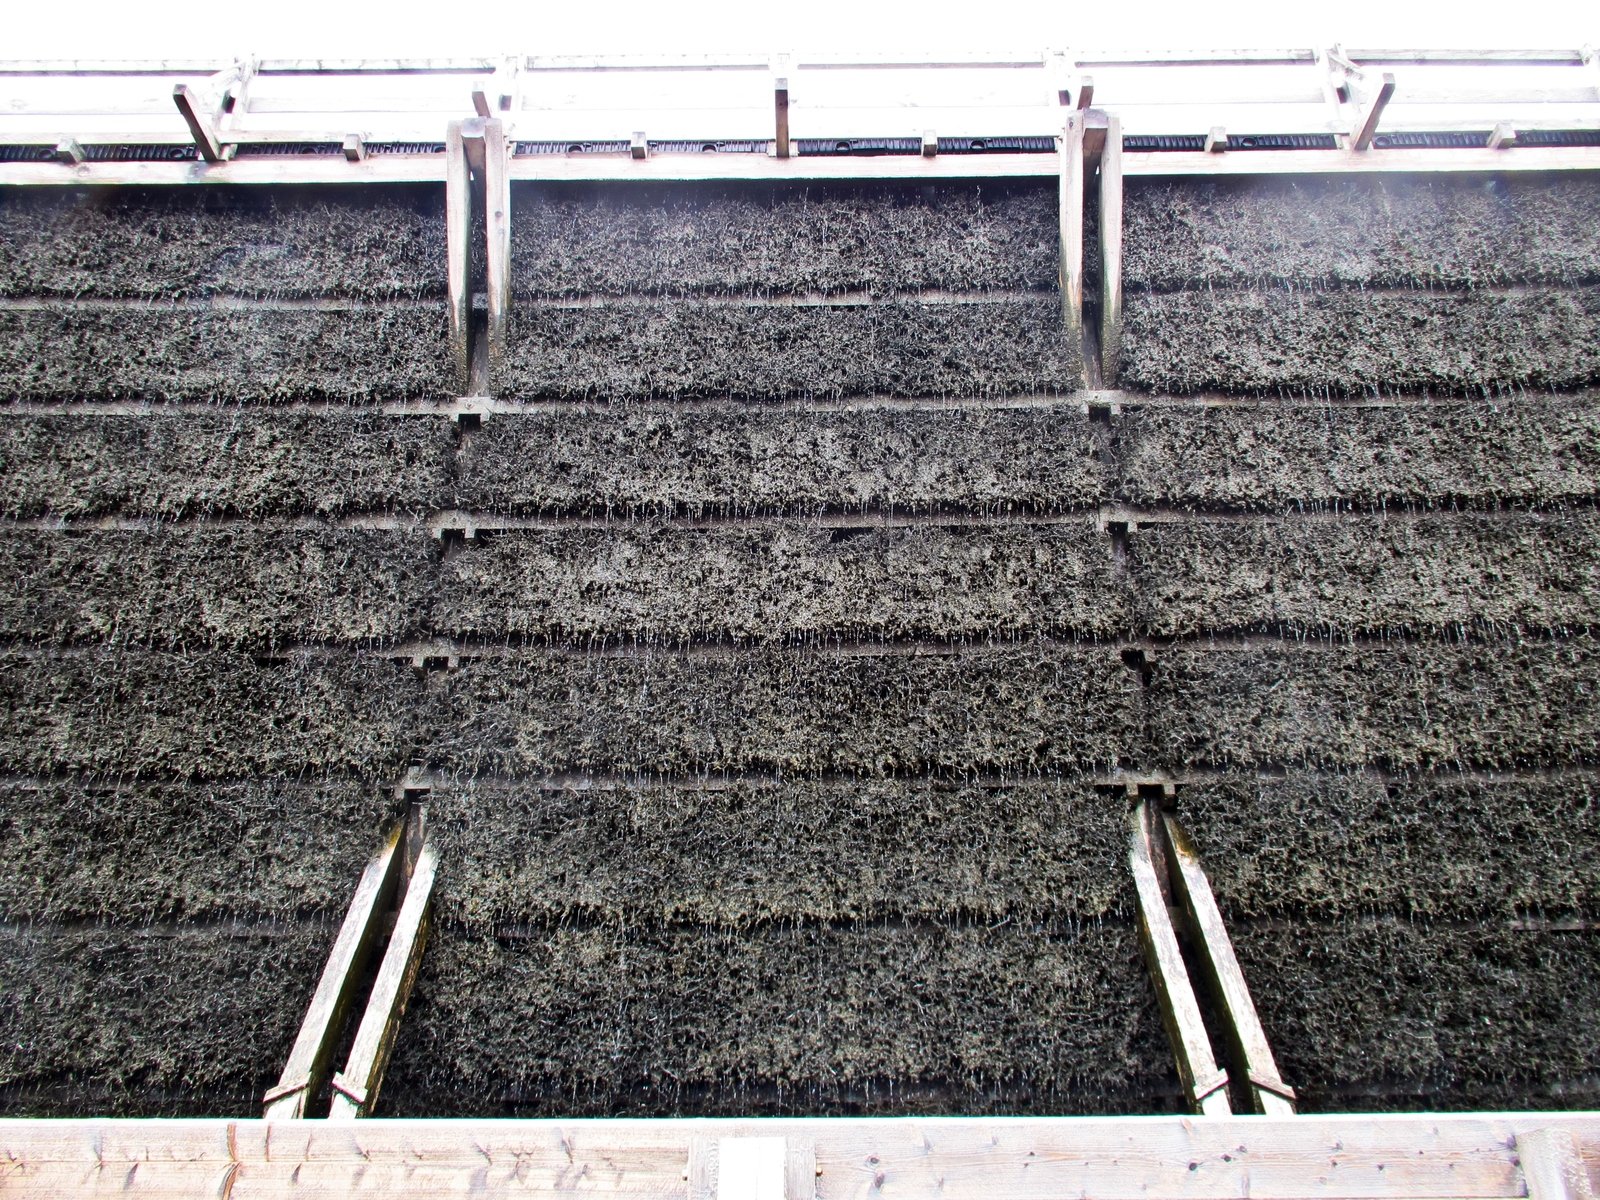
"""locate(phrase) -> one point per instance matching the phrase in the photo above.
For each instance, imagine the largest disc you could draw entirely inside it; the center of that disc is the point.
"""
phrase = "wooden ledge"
(1421, 1157)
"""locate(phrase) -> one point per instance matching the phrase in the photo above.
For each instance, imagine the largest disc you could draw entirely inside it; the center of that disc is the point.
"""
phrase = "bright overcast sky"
(151, 29)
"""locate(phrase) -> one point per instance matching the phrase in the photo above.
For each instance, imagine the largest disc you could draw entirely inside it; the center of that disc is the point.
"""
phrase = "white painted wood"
(750, 1168)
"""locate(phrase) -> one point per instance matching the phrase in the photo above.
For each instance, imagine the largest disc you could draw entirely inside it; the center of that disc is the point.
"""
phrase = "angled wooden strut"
(1205, 1083)
(1251, 1053)
(355, 1089)
(403, 869)
(307, 1066)
(1168, 878)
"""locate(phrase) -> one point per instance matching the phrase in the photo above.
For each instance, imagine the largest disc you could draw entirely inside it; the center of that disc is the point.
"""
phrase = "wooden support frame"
(497, 226)
(1072, 181)
(1205, 1083)
(458, 267)
(1371, 112)
(1269, 1095)
(201, 119)
(1111, 254)
(1424, 1156)
(356, 1087)
(306, 1069)
(69, 151)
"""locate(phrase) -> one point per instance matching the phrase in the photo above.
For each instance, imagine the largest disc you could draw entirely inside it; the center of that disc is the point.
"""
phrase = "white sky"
(312, 28)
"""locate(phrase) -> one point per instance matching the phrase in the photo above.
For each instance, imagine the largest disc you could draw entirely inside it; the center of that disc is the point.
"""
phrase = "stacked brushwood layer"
(797, 659)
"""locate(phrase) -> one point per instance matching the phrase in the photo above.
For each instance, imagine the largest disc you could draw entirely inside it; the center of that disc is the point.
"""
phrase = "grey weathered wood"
(1553, 1165)
(355, 1089)
(497, 222)
(930, 143)
(1502, 137)
(69, 151)
(1085, 92)
(355, 147)
(1203, 1081)
(458, 265)
(306, 1069)
(639, 146)
(1269, 1094)
(480, 101)
(199, 118)
(1072, 226)
(1216, 140)
(1111, 255)
(1371, 112)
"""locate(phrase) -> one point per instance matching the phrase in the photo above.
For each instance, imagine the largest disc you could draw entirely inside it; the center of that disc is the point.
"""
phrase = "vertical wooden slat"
(307, 1065)
(1269, 1094)
(356, 1087)
(1205, 1083)
(1552, 1165)
(751, 1168)
(497, 221)
(458, 232)
(1072, 225)
(1111, 254)
(800, 1169)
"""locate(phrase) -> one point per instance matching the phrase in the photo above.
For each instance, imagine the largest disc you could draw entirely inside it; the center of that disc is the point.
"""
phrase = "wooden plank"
(754, 1168)
(1359, 1157)
(70, 151)
(1216, 140)
(356, 1087)
(497, 219)
(799, 1167)
(1553, 1166)
(1071, 241)
(458, 266)
(1269, 1094)
(306, 1069)
(1111, 254)
(1203, 1080)
(1502, 137)
(198, 116)
(1365, 127)
(780, 109)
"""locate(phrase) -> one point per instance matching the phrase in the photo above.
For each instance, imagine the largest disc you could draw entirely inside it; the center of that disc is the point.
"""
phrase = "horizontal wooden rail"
(1417, 1157)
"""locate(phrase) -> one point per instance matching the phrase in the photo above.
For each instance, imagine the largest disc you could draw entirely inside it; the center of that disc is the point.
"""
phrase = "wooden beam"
(480, 100)
(1425, 1156)
(1085, 93)
(1268, 1093)
(355, 147)
(639, 147)
(1216, 140)
(69, 151)
(355, 1089)
(1366, 123)
(497, 220)
(1071, 243)
(1502, 137)
(1205, 1083)
(1553, 1166)
(458, 257)
(306, 1069)
(930, 143)
(1111, 255)
(200, 119)
(780, 108)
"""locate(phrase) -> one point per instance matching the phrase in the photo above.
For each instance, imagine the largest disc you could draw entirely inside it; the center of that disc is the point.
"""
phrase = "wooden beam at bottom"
(1357, 1157)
